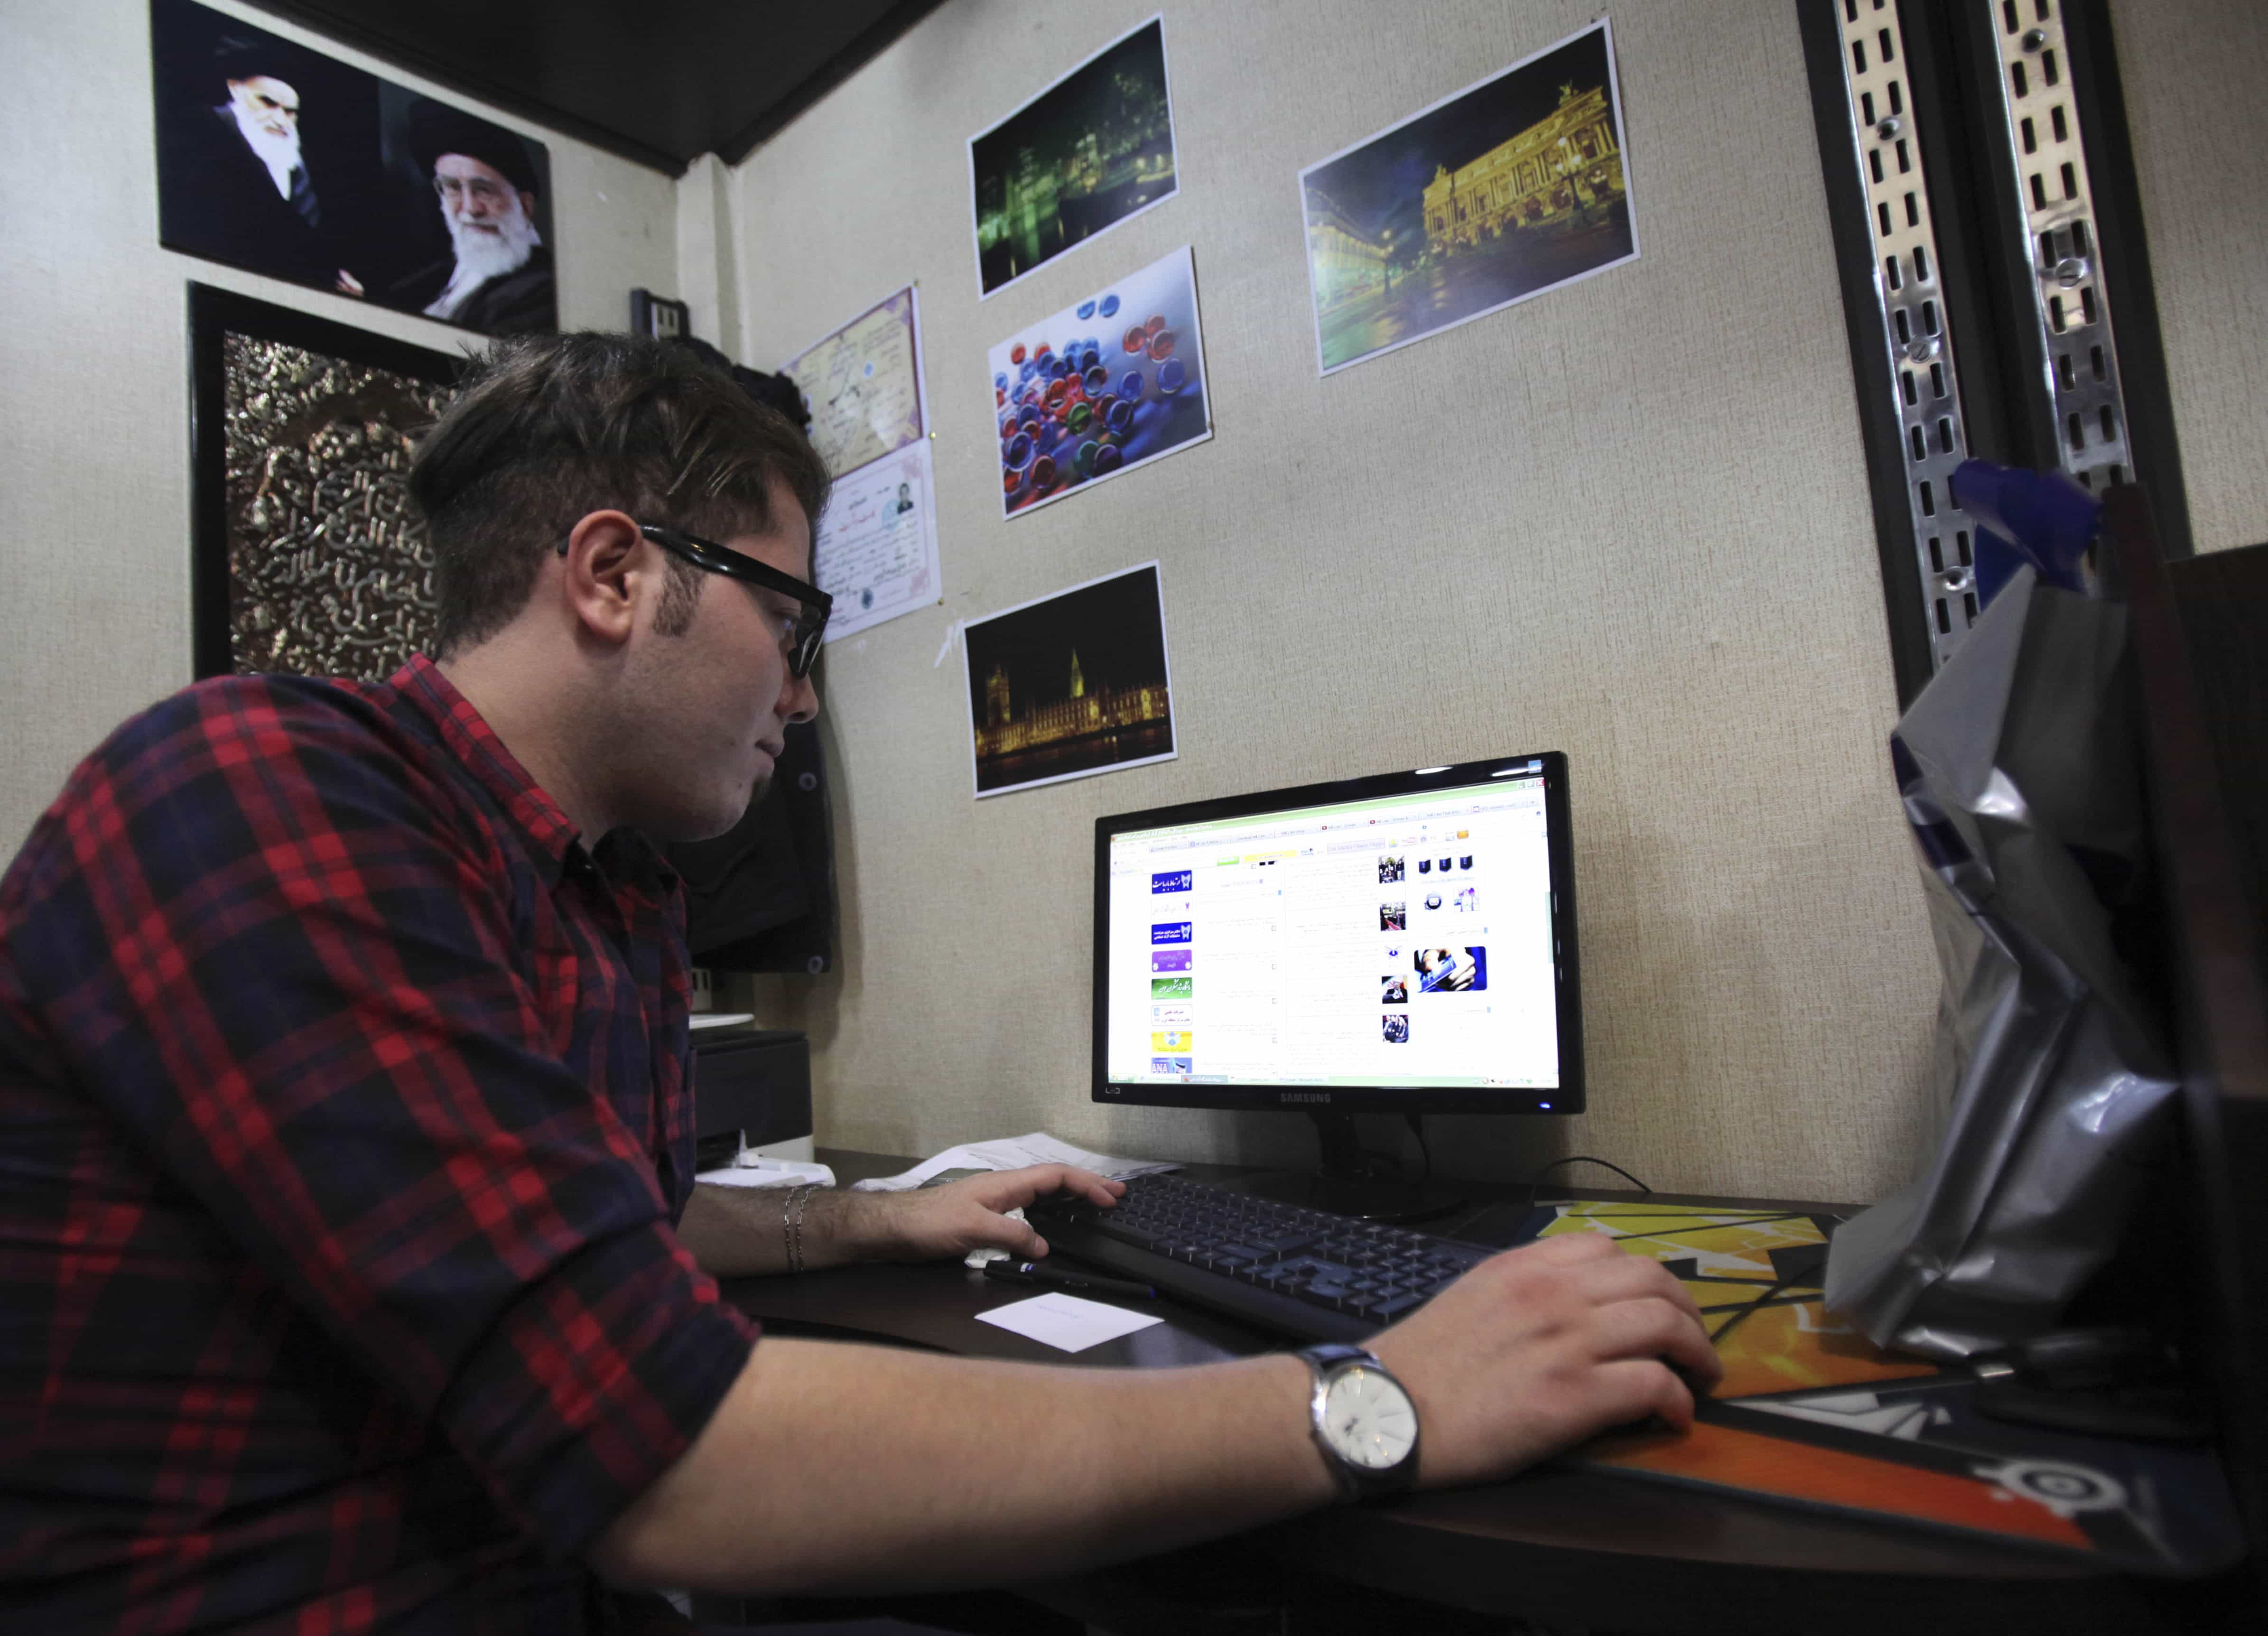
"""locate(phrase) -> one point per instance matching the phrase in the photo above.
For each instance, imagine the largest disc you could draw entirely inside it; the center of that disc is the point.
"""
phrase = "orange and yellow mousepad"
(1812, 1413)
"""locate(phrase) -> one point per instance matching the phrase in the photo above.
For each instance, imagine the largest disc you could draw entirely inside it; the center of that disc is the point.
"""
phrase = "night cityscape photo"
(1497, 193)
(1084, 155)
(1073, 684)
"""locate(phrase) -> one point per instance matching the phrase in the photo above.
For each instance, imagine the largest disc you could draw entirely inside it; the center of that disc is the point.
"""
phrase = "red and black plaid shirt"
(343, 1128)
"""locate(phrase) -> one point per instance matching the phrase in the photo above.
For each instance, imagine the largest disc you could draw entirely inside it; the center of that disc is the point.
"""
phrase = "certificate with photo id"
(875, 551)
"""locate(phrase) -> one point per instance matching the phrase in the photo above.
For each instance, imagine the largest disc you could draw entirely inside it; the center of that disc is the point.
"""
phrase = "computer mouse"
(1057, 1205)
(1651, 1423)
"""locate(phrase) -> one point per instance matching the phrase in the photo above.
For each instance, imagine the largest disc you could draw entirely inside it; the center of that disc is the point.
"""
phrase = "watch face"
(1369, 1419)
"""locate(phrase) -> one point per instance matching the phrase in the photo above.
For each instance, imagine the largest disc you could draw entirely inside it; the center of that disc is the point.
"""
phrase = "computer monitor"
(1404, 943)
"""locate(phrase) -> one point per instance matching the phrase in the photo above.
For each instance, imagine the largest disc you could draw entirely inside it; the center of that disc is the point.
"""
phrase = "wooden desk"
(1557, 1546)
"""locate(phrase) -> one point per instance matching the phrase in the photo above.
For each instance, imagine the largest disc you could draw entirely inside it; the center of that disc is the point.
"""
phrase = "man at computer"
(354, 1269)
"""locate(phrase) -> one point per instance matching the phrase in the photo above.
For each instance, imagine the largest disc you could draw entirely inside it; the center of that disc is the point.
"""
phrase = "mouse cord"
(1537, 1181)
(1765, 1298)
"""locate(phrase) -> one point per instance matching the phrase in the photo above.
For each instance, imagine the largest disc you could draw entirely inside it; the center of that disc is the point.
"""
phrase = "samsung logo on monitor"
(1303, 1096)
(1171, 881)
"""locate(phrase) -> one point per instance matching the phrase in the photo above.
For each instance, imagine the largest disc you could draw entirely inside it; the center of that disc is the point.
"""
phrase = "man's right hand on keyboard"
(916, 1469)
(1535, 1350)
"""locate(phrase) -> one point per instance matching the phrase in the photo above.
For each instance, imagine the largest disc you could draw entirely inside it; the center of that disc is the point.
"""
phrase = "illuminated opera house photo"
(1499, 193)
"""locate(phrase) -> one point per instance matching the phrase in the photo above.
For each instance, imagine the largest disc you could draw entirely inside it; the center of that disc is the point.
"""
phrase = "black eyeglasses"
(810, 628)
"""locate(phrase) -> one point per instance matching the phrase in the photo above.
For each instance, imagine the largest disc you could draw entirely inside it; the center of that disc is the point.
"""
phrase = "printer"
(752, 1092)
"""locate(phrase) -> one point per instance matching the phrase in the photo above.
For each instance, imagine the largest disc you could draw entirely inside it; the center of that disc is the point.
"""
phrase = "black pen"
(1032, 1272)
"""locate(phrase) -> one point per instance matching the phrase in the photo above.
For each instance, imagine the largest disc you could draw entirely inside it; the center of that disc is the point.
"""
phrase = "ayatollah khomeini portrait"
(497, 276)
(246, 176)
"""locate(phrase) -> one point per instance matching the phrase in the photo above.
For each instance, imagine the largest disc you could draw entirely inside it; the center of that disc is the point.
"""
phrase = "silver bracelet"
(792, 1211)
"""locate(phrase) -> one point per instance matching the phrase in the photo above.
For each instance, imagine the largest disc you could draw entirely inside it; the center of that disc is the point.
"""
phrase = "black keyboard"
(1305, 1274)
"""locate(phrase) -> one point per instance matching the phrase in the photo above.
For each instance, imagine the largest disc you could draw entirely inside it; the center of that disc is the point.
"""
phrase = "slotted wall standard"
(2055, 200)
(1914, 329)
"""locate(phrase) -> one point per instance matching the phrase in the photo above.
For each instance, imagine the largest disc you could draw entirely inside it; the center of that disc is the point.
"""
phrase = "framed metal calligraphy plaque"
(309, 558)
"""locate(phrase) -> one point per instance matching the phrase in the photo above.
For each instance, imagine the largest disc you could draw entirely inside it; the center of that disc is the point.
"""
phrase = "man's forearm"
(830, 1466)
(743, 1232)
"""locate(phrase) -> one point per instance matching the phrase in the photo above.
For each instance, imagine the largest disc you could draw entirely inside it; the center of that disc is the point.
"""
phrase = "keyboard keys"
(1368, 1272)
(1284, 1243)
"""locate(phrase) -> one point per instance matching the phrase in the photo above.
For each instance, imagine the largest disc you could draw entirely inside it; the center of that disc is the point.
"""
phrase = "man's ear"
(606, 564)
(528, 206)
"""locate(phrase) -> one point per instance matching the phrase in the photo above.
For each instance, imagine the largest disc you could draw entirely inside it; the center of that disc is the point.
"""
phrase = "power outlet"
(657, 317)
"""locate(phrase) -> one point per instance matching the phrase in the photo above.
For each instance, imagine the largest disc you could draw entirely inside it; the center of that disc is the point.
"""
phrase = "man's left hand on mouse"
(934, 1222)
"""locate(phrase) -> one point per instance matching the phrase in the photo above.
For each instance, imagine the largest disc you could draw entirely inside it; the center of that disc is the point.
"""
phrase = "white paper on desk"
(1010, 1152)
(1067, 1323)
(779, 1173)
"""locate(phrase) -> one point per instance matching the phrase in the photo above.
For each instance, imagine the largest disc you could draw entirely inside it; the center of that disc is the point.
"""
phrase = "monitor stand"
(1349, 1182)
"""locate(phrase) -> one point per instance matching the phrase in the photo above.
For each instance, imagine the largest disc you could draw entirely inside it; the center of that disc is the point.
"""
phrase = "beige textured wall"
(2193, 72)
(94, 422)
(1628, 520)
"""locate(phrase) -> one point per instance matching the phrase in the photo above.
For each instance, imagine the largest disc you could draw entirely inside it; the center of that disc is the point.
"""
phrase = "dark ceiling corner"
(334, 21)
(658, 86)
(881, 37)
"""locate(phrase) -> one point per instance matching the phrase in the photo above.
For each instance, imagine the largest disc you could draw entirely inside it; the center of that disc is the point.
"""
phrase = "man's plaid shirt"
(345, 1124)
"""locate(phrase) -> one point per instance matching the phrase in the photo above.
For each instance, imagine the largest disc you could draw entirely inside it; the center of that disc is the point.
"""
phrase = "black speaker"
(772, 391)
(760, 897)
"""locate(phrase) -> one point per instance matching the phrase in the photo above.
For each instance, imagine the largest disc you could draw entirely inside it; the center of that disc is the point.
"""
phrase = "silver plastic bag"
(2019, 770)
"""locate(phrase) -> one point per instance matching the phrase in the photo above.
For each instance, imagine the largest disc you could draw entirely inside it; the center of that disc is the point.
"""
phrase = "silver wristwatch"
(1362, 1420)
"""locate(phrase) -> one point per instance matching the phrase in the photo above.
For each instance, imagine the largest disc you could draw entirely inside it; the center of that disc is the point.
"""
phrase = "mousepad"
(1814, 1414)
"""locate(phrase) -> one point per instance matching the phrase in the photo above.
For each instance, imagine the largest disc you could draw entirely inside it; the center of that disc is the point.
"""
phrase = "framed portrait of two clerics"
(278, 159)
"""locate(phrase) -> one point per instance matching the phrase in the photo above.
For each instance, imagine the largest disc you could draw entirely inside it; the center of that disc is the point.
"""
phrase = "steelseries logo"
(1303, 1096)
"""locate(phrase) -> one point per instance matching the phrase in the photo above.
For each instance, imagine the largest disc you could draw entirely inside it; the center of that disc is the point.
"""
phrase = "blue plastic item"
(2043, 519)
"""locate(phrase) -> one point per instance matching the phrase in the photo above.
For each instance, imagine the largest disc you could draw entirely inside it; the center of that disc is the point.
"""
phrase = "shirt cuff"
(595, 1383)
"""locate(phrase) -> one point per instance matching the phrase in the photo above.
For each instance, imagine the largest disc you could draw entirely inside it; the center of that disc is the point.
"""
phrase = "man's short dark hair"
(547, 430)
